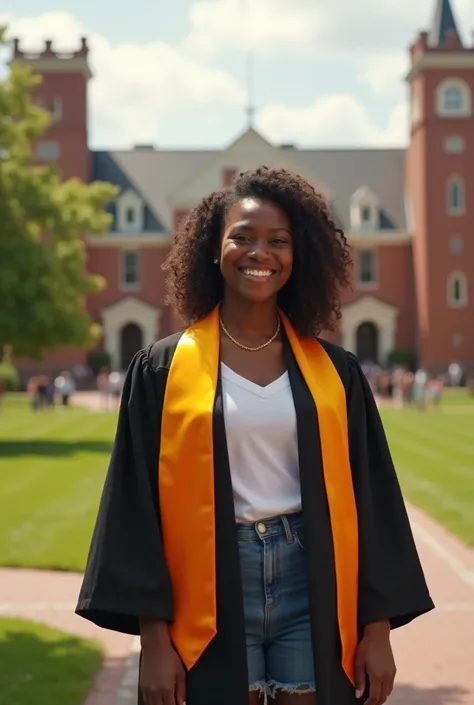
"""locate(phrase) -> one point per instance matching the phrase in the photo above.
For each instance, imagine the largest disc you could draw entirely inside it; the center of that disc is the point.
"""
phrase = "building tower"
(63, 91)
(440, 190)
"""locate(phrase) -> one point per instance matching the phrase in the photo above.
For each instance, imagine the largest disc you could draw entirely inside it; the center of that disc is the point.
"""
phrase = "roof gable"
(249, 151)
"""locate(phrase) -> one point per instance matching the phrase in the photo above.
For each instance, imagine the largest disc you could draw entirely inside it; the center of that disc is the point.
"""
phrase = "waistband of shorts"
(272, 526)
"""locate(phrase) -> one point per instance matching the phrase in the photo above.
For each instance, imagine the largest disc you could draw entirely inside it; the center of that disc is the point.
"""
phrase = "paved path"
(434, 654)
(95, 401)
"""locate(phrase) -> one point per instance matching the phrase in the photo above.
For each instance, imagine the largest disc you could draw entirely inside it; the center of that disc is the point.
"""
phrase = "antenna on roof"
(250, 69)
(250, 87)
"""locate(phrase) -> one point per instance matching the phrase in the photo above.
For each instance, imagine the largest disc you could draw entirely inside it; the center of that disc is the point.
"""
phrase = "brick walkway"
(434, 654)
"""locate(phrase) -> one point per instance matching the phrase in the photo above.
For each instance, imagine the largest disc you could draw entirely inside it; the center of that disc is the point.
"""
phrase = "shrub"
(9, 377)
(97, 359)
(403, 357)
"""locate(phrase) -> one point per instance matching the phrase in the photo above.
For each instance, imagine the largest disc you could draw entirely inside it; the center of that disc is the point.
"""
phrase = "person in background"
(64, 387)
(103, 388)
(455, 374)
(116, 381)
(420, 386)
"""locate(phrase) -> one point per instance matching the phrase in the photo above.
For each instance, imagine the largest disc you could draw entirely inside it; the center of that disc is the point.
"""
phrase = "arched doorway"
(367, 342)
(131, 341)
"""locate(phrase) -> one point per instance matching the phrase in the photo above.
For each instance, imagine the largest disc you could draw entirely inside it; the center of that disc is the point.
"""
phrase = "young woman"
(252, 529)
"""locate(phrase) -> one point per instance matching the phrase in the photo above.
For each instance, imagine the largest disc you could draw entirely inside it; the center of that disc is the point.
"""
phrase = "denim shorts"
(276, 605)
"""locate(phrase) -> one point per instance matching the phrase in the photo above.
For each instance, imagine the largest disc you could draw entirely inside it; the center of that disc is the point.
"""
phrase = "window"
(453, 99)
(456, 195)
(454, 145)
(130, 214)
(54, 106)
(48, 151)
(56, 109)
(130, 275)
(367, 266)
(228, 177)
(456, 244)
(366, 214)
(457, 290)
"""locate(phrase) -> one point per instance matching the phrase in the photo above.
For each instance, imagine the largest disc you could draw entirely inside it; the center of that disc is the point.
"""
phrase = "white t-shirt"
(262, 444)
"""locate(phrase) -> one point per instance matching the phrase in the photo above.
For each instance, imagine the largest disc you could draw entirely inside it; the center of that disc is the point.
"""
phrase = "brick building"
(409, 214)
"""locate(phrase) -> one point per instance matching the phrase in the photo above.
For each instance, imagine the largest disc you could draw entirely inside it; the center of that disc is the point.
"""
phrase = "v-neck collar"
(264, 392)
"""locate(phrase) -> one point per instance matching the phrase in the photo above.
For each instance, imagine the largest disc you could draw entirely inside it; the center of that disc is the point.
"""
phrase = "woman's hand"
(374, 660)
(162, 676)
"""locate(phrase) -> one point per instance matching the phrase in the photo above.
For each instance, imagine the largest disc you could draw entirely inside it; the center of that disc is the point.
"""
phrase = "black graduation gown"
(126, 573)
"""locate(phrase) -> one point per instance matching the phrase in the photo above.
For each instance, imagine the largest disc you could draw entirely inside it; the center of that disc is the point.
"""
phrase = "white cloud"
(383, 72)
(135, 85)
(373, 35)
(316, 26)
(335, 120)
(268, 26)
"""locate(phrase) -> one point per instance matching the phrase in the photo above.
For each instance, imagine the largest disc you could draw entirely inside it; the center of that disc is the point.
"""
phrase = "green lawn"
(52, 466)
(434, 456)
(40, 665)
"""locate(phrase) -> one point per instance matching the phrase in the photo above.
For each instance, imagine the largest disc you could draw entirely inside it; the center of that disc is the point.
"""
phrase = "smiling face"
(256, 250)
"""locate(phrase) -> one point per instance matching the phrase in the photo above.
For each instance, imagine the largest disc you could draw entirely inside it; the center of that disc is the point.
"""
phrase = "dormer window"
(130, 212)
(365, 210)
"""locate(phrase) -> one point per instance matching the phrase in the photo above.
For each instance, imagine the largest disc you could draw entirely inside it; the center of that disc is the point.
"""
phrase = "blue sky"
(327, 72)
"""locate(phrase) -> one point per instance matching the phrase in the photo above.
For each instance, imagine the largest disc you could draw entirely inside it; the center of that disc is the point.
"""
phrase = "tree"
(43, 282)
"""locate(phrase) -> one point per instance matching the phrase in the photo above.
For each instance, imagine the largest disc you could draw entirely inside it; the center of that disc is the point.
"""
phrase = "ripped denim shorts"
(276, 605)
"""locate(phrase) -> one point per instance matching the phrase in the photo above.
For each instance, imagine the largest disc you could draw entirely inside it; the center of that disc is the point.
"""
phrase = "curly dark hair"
(321, 260)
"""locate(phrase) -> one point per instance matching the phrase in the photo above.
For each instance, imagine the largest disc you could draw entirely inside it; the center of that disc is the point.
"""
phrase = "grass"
(434, 456)
(52, 468)
(41, 665)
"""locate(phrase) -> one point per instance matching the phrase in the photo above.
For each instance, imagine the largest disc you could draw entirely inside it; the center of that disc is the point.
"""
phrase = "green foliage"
(43, 283)
(403, 357)
(97, 359)
(9, 377)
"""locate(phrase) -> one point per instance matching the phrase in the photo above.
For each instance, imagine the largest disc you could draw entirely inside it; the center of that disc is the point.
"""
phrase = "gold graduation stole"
(186, 484)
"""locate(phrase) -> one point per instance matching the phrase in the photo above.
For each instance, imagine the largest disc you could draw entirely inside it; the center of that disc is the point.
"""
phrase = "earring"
(216, 261)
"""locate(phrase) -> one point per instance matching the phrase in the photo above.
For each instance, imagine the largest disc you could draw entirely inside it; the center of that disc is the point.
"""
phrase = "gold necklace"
(245, 347)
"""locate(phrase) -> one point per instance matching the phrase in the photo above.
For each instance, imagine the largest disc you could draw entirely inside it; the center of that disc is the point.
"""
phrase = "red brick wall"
(428, 168)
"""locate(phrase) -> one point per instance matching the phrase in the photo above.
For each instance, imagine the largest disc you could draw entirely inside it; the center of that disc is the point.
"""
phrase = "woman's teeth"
(258, 272)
